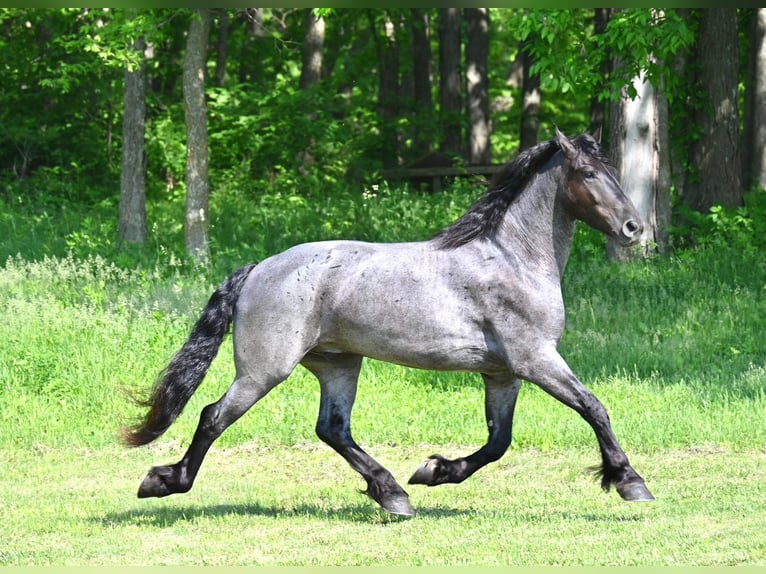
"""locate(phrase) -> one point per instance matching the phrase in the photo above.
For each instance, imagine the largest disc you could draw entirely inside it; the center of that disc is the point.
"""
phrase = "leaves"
(568, 57)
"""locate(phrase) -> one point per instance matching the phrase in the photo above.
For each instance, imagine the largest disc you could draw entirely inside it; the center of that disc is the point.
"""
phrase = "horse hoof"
(399, 506)
(634, 492)
(427, 473)
(153, 486)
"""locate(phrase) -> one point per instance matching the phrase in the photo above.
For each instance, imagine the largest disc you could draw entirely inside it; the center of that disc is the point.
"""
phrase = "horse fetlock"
(435, 470)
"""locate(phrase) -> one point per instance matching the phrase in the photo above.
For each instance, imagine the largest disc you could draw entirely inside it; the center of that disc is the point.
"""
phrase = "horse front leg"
(501, 392)
(551, 373)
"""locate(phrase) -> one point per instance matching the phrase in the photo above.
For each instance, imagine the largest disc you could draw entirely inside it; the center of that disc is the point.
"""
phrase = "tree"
(477, 85)
(601, 17)
(715, 153)
(387, 47)
(313, 46)
(639, 150)
(449, 80)
(132, 214)
(222, 45)
(423, 105)
(530, 101)
(754, 133)
(197, 219)
(639, 147)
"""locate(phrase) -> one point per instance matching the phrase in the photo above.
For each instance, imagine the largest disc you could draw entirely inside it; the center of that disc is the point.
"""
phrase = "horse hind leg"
(214, 419)
(338, 375)
(501, 393)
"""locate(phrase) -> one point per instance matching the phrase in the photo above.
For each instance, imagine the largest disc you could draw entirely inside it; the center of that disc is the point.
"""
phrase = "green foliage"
(742, 228)
(569, 57)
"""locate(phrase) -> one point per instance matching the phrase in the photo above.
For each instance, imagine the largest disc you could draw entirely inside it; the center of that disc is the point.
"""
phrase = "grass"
(673, 347)
(260, 505)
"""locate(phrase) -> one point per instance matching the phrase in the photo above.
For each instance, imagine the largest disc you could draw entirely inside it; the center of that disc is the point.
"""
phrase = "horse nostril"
(631, 227)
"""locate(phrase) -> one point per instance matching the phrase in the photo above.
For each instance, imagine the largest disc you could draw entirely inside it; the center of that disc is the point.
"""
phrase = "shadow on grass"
(356, 513)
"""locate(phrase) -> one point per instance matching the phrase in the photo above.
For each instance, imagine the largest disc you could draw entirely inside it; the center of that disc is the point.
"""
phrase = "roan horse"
(482, 295)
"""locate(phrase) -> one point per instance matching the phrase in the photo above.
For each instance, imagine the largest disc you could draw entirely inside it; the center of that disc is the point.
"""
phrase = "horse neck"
(537, 227)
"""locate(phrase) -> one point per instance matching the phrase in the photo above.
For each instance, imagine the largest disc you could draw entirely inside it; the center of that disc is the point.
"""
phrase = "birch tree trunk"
(132, 215)
(197, 219)
(640, 152)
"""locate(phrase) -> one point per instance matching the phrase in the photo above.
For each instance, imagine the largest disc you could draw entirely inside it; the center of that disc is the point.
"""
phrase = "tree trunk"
(715, 155)
(197, 221)
(421, 76)
(313, 46)
(679, 151)
(449, 79)
(601, 18)
(530, 102)
(754, 136)
(222, 44)
(254, 31)
(640, 152)
(132, 217)
(388, 89)
(477, 85)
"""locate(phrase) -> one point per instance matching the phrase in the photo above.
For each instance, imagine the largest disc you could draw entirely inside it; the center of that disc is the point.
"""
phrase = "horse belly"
(426, 332)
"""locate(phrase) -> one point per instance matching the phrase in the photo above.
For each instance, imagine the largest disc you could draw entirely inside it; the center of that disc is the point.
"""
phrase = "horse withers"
(482, 295)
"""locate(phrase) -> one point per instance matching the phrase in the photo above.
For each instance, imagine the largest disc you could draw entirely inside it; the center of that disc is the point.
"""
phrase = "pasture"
(673, 347)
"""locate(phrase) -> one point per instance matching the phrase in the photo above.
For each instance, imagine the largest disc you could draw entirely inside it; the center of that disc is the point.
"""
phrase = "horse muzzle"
(631, 232)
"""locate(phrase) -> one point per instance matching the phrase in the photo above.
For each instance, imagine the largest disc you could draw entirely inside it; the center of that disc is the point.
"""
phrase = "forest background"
(174, 106)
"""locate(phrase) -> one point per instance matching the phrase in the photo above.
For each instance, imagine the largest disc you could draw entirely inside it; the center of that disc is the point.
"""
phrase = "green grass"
(261, 505)
(673, 347)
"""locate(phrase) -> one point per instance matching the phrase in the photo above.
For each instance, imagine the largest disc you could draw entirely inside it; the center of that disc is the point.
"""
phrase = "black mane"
(483, 218)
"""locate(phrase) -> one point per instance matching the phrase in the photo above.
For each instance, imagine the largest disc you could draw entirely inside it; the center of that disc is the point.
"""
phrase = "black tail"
(183, 375)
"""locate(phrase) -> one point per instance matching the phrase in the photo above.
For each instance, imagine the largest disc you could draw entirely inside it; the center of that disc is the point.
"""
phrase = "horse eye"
(589, 175)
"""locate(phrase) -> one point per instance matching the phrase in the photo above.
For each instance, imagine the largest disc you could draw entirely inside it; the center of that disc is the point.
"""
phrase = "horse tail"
(186, 370)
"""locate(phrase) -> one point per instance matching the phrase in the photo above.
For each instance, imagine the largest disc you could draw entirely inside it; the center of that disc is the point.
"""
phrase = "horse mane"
(484, 217)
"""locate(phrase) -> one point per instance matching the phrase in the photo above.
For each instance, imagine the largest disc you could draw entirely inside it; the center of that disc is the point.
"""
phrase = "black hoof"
(155, 484)
(398, 505)
(430, 473)
(634, 492)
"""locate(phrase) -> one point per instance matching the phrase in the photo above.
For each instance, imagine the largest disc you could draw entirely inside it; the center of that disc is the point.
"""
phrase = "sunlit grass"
(260, 505)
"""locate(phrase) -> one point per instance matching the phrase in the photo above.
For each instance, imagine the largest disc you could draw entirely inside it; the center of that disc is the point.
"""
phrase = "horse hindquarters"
(266, 350)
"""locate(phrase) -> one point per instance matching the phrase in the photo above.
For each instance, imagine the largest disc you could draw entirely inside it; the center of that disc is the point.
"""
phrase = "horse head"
(592, 193)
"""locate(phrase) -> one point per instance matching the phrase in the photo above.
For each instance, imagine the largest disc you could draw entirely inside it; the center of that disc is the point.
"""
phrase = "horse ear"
(597, 135)
(565, 144)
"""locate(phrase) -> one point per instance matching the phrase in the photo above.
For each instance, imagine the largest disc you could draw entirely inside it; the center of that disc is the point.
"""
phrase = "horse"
(482, 295)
